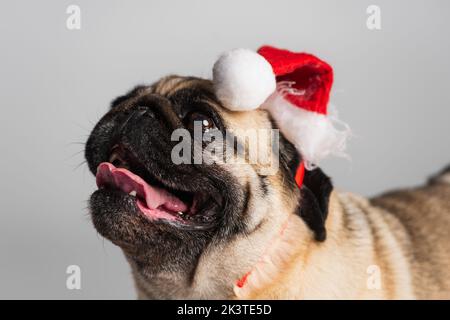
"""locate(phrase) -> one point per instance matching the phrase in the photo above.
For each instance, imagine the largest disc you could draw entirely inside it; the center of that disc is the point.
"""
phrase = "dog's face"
(165, 215)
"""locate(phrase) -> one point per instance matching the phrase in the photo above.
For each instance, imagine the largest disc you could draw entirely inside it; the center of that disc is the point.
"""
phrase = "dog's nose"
(144, 110)
(131, 115)
(156, 106)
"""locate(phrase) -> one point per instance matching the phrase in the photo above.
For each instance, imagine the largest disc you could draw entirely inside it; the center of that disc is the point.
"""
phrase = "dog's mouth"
(154, 198)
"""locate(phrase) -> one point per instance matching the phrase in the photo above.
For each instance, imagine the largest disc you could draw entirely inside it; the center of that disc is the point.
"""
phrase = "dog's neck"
(290, 262)
(219, 272)
(336, 268)
(283, 263)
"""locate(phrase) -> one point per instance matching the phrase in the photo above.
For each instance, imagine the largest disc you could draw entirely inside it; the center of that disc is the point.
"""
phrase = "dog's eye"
(199, 119)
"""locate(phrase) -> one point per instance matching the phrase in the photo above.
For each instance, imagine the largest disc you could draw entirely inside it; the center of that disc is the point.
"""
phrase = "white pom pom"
(243, 79)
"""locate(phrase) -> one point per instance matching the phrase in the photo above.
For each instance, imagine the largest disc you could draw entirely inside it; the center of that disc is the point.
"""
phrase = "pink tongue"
(109, 175)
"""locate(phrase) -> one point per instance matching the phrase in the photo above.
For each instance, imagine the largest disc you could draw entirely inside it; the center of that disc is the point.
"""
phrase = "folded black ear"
(315, 191)
(315, 196)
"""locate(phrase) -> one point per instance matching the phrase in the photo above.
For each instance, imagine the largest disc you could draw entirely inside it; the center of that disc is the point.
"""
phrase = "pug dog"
(222, 231)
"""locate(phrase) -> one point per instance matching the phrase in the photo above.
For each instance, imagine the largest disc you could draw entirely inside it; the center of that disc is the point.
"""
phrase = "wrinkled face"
(165, 214)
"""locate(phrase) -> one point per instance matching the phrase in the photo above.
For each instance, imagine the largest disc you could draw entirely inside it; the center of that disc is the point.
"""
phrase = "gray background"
(391, 86)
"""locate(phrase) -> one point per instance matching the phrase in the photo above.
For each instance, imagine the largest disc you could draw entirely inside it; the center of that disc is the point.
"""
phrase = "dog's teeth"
(180, 213)
(133, 193)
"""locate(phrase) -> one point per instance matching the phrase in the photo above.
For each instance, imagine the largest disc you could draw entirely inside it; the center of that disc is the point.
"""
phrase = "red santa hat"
(293, 87)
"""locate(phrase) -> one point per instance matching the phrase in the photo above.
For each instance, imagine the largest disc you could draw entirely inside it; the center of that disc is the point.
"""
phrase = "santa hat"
(293, 87)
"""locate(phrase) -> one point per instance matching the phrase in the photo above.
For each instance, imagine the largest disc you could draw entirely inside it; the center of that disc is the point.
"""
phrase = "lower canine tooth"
(133, 193)
(180, 213)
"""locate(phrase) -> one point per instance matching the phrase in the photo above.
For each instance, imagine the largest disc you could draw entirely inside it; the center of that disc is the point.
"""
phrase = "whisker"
(75, 143)
(79, 165)
(75, 154)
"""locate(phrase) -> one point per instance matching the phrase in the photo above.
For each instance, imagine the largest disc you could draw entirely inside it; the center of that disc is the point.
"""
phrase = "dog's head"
(167, 215)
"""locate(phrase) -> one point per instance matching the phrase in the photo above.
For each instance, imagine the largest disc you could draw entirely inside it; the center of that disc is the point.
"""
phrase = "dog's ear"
(315, 191)
(315, 196)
